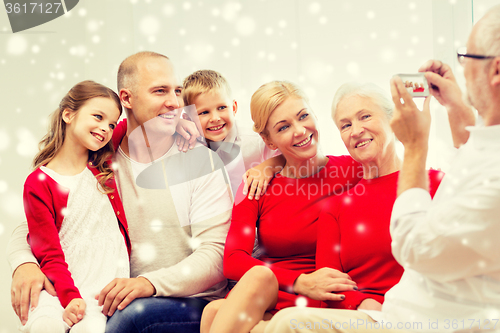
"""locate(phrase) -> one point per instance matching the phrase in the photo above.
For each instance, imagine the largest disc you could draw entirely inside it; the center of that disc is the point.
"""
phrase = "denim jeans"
(158, 314)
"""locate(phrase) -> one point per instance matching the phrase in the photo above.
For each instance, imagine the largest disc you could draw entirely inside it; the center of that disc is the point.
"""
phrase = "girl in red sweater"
(76, 221)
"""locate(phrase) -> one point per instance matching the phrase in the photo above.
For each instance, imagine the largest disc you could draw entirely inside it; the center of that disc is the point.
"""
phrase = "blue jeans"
(158, 314)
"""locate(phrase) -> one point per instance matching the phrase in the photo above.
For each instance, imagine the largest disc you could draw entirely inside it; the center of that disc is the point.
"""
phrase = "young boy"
(214, 111)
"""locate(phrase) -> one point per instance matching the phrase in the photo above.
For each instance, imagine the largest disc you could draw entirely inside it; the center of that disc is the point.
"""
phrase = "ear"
(268, 142)
(235, 107)
(67, 115)
(495, 69)
(126, 98)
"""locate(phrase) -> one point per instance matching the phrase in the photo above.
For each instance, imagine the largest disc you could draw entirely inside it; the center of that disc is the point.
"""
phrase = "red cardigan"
(354, 237)
(44, 201)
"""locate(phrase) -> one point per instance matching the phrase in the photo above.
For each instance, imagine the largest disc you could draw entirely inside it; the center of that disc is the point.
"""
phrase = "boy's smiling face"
(216, 113)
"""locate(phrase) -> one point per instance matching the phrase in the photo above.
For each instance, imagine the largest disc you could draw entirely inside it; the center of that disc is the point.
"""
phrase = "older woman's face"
(292, 129)
(364, 128)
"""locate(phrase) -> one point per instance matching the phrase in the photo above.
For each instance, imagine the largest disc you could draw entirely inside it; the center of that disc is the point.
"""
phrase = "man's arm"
(27, 278)
(451, 241)
(443, 86)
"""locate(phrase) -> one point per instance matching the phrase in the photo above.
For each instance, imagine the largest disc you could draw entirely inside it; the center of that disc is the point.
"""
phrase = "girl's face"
(93, 124)
(292, 129)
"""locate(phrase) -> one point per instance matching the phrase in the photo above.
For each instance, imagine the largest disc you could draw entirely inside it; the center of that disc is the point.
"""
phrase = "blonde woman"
(285, 218)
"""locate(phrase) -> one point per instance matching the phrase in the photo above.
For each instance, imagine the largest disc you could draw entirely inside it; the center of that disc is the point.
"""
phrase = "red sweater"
(44, 201)
(354, 237)
(286, 221)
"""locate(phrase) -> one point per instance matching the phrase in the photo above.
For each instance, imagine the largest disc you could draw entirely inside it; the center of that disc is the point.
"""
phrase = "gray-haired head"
(369, 90)
(487, 36)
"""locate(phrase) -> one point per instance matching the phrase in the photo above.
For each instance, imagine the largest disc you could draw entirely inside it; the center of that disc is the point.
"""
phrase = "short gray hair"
(370, 90)
(488, 32)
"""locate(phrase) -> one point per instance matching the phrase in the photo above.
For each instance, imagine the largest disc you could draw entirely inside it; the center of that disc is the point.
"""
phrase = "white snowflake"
(147, 252)
(353, 68)
(28, 144)
(149, 25)
(186, 270)
(245, 26)
(301, 302)
(4, 140)
(3, 186)
(17, 45)
(168, 10)
(314, 8)
(387, 55)
(92, 25)
(156, 225)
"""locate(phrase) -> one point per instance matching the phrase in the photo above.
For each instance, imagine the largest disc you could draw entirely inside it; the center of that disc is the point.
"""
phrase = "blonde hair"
(201, 82)
(54, 139)
(267, 98)
(127, 72)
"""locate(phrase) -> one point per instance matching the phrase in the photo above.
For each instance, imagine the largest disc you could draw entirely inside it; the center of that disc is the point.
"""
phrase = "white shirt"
(450, 246)
(90, 237)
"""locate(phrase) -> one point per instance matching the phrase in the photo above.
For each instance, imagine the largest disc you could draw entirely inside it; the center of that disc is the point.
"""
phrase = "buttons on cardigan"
(118, 213)
(111, 197)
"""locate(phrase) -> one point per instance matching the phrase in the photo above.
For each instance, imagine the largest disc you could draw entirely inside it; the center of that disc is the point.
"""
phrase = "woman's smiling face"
(292, 129)
(364, 128)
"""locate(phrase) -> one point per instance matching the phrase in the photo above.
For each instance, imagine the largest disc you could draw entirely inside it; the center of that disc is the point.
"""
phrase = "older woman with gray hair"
(354, 232)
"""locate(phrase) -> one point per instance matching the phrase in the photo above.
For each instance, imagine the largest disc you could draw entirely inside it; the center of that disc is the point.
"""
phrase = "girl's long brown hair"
(54, 139)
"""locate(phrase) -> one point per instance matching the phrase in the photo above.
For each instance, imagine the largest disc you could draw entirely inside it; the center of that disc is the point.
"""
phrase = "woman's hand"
(74, 311)
(324, 284)
(370, 304)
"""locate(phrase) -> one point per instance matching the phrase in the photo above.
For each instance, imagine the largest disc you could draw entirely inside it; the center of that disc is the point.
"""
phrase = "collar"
(225, 145)
(482, 137)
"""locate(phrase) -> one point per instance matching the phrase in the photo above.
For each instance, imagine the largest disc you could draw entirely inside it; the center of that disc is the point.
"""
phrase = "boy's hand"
(257, 179)
(182, 143)
(74, 312)
(187, 129)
